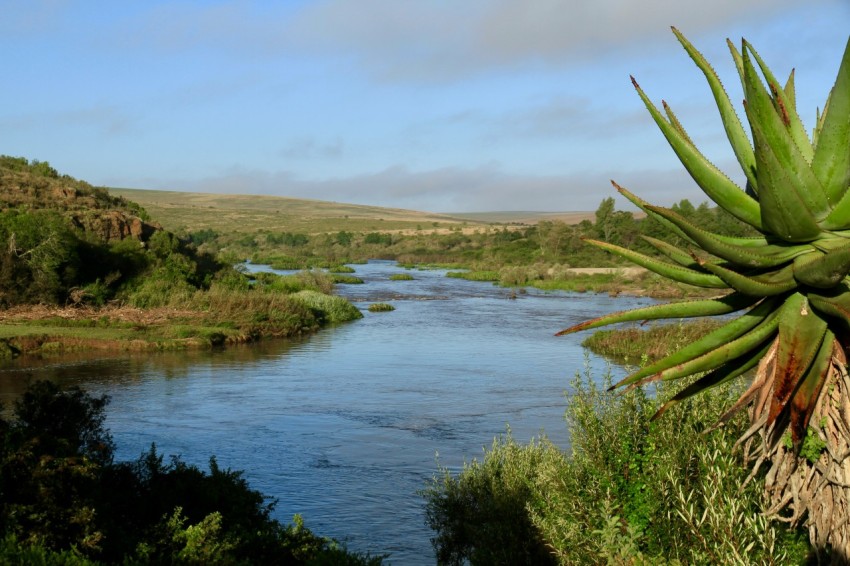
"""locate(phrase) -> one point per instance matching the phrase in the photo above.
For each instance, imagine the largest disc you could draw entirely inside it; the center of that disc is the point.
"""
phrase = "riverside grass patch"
(381, 307)
(328, 308)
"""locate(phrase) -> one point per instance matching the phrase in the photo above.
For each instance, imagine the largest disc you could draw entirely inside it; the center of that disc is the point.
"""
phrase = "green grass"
(381, 307)
(632, 344)
(345, 279)
(475, 275)
(401, 277)
(341, 269)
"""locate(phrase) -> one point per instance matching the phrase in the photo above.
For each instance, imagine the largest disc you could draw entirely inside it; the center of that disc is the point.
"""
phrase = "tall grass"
(631, 344)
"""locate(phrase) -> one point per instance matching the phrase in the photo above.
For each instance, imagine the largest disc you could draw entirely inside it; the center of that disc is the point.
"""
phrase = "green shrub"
(627, 492)
(474, 275)
(66, 503)
(328, 308)
(346, 279)
(341, 269)
(381, 307)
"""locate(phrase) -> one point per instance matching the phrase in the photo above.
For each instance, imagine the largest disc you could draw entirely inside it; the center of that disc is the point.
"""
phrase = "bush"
(64, 502)
(346, 279)
(381, 307)
(328, 308)
(629, 491)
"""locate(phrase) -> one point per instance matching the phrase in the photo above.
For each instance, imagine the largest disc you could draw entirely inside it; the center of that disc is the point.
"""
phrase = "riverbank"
(214, 319)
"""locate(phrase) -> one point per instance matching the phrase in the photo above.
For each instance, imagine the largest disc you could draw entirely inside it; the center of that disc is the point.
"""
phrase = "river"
(347, 425)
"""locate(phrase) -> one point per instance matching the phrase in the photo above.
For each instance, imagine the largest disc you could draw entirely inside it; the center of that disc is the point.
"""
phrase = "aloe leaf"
(711, 341)
(710, 179)
(801, 331)
(823, 270)
(643, 205)
(668, 270)
(731, 123)
(790, 90)
(805, 397)
(785, 211)
(739, 62)
(681, 257)
(784, 106)
(725, 373)
(835, 303)
(761, 285)
(723, 354)
(770, 123)
(686, 309)
(831, 162)
(674, 121)
(766, 255)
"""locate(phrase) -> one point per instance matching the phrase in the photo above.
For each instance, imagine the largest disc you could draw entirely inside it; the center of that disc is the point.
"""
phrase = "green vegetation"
(629, 491)
(401, 277)
(65, 501)
(346, 279)
(67, 244)
(381, 307)
(474, 275)
(328, 308)
(634, 345)
(791, 281)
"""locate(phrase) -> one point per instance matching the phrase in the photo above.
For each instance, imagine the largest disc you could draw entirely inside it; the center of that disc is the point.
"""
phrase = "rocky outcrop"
(91, 209)
(112, 225)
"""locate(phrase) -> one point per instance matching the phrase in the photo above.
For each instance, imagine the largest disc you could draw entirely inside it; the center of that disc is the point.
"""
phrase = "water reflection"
(344, 427)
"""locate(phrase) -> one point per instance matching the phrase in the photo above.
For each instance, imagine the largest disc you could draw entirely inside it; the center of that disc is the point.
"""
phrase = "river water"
(347, 425)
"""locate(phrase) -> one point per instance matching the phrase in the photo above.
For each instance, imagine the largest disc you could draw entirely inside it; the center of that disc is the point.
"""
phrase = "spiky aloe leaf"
(681, 257)
(710, 179)
(644, 206)
(685, 309)
(731, 123)
(823, 270)
(668, 270)
(708, 343)
(753, 339)
(777, 151)
(784, 105)
(831, 162)
(728, 371)
(760, 285)
(765, 255)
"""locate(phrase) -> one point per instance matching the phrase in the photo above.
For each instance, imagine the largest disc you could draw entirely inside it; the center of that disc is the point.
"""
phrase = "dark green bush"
(63, 500)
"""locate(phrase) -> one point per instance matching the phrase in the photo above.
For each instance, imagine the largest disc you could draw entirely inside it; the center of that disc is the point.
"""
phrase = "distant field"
(249, 213)
(179, 211)
(523, 217)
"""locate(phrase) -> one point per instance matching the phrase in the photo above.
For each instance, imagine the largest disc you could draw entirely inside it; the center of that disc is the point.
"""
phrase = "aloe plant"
(790, 283)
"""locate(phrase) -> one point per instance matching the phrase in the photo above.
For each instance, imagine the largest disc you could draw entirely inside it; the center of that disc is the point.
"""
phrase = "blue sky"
(438, 105)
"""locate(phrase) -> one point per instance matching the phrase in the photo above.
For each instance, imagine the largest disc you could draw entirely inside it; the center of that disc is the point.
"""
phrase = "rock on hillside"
(36, 185)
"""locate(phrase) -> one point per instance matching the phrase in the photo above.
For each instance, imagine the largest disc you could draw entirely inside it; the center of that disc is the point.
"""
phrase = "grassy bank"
(274, 306)
(632, 345)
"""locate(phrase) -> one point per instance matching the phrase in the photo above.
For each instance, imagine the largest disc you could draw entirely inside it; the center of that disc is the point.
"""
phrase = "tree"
(792, 281)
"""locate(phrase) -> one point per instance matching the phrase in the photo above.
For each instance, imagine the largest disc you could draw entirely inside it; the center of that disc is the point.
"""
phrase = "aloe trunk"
(790, 285)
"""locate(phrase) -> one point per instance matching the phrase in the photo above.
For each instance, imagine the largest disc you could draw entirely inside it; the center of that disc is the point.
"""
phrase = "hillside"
(185, 211)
